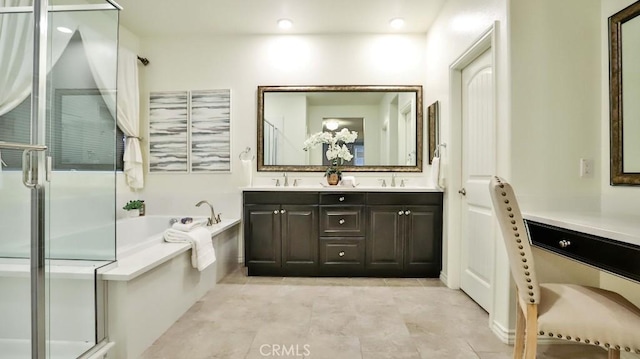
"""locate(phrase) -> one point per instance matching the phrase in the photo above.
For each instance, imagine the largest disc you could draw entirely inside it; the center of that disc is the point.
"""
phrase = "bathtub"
(154, 283)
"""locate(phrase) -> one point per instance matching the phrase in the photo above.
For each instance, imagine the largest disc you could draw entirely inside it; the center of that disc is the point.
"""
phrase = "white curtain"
(129, 117)
(16, 47)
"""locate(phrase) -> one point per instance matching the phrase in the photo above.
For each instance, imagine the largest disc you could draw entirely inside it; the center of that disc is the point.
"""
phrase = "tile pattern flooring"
(334, 318)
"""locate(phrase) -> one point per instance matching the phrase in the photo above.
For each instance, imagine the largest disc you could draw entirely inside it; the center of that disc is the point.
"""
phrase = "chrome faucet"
(214, 218)
(393, 180)
(286, 180)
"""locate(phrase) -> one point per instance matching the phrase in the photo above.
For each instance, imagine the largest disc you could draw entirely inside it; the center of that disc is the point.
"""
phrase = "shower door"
(57, 185)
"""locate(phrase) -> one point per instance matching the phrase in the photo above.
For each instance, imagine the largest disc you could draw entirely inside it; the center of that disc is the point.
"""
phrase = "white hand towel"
(435, 172)
(247, 168)
(202, 252)
(186, 227)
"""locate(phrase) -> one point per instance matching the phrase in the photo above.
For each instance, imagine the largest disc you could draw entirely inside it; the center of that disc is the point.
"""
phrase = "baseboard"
(505, 335)
(443, 278)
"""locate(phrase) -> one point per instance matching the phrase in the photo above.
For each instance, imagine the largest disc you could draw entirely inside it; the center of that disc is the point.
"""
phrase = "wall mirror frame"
(262, 152)
(624, 115)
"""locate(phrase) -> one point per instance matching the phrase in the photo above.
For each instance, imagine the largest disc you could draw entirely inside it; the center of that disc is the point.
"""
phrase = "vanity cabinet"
(342, 234)
(404, 234)
(380, 234)
(282, 232)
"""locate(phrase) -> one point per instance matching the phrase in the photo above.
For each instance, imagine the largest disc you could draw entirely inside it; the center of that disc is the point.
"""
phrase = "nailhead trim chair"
(564, 311)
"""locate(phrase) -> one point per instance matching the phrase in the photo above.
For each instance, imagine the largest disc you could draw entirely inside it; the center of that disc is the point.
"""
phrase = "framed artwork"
(433, 125)
(210, 131)
(190, 131)
(168, 124)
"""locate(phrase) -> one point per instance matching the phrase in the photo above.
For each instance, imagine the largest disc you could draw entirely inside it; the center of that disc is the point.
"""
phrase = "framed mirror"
(388, 120)
(624, 91)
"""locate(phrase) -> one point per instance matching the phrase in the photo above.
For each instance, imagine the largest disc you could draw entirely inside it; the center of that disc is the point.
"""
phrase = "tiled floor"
(334, 318)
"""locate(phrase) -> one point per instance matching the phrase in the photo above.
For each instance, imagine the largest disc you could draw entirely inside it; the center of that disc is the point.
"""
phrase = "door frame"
(486, 41)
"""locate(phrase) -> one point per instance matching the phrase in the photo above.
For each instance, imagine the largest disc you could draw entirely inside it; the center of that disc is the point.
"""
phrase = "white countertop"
(323, 188)
(623, 228)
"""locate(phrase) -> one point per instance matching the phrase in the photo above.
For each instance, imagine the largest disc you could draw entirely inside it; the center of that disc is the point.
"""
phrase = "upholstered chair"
(565, 311)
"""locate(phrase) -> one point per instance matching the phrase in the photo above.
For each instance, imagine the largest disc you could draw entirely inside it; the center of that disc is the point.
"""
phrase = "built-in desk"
(607, 242)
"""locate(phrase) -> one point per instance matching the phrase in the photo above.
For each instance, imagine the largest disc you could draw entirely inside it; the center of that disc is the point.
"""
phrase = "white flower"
(337, 148)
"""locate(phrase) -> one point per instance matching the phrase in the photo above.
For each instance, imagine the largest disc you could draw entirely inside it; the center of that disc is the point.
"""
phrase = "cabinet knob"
(341, 199)
(400, 213)
(282, 211)
(341, 221)
(564, 243)
(341, 254)
(407, 212)
(275, 211)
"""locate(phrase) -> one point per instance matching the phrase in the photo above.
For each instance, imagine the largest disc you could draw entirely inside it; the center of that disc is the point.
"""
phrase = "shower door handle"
(26, 159)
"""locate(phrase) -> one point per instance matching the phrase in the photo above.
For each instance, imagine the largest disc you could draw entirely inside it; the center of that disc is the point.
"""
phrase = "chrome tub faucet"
(214, 218)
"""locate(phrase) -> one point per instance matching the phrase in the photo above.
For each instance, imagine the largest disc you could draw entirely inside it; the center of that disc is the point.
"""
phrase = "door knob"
(463, 192)
(400, 213)
(407, 212)
(275, 211)
(282, 211)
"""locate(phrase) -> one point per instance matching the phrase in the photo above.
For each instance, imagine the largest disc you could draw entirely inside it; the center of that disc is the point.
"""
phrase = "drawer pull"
(341, 254)
(400, 213)
(341, 199)
(407, 212)
(341, 221)
(282, 211)
(564, 243)
(275, 211)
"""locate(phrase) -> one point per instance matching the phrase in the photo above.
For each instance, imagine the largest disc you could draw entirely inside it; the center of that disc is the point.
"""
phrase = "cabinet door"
(299, 239)
(262, 239)
(384, 240)
(422, 228)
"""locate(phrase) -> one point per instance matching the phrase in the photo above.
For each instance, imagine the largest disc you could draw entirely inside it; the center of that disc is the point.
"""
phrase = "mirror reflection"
(624, 90)
(387, 119)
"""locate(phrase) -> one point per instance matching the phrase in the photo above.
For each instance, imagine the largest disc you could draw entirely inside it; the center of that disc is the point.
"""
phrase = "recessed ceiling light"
(396, 23)
(63, 29)
(285, 24)
(332, 125)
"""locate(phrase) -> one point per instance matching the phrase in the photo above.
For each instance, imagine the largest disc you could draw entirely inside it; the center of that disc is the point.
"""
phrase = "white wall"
(289, 112)
(555, 108)
(241, 63)
(458, 26)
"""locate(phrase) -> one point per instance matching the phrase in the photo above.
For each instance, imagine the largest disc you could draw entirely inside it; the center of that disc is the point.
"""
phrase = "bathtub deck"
(141, 262)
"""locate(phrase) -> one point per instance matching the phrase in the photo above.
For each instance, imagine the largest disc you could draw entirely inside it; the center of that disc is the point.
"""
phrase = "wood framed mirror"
(388, 119)
(624, 91)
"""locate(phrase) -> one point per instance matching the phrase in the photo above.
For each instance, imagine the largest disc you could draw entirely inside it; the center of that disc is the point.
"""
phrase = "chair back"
(516, 239)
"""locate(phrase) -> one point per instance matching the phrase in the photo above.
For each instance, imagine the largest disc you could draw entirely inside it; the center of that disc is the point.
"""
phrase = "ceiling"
(147, 18)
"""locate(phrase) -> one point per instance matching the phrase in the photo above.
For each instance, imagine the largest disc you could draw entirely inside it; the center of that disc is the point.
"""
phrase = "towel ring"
(244, 155)
(436, 152)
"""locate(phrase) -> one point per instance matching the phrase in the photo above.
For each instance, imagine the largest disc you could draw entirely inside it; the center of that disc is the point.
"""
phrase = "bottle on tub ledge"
(142, 208)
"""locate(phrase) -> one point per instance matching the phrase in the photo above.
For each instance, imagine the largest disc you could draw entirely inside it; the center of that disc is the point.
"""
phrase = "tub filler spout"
(213, 219)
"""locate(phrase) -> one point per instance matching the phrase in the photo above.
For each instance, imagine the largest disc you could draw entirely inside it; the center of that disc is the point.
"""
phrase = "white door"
(478, 165)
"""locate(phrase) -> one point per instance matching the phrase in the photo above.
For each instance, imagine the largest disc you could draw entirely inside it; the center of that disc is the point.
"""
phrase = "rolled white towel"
(202, 252)
(186, 227)
(435, 172)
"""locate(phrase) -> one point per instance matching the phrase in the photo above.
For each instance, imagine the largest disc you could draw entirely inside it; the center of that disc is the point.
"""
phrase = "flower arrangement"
(337, 151)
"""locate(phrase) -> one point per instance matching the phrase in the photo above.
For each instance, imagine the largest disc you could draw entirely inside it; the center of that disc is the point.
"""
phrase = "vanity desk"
(342, 231)
(607, 242)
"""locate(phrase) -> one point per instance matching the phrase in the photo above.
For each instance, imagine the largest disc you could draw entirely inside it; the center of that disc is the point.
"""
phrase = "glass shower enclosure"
(58, 64)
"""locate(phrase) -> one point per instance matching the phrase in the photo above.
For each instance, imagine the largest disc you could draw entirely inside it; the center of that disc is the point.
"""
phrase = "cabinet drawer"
(342, 252)
(404, 198)
(341, 198)
(280, 197)
(617, 257)
(342, 221)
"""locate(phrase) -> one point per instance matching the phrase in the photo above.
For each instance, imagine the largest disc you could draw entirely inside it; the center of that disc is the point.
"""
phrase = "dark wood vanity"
(609, 244)
(351, 233)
